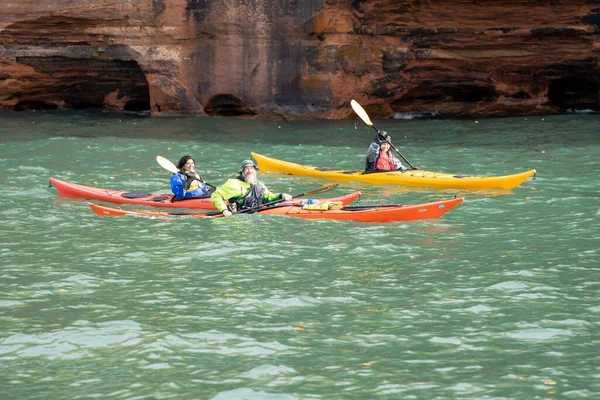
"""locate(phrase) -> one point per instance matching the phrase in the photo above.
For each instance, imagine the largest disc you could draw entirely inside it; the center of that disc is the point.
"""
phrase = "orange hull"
(76, 191)
(375, 213)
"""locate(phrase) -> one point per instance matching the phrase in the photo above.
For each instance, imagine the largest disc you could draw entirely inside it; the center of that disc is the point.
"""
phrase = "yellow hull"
(416, 178)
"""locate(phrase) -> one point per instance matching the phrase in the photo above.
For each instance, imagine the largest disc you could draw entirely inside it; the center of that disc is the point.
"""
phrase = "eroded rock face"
(302, 58)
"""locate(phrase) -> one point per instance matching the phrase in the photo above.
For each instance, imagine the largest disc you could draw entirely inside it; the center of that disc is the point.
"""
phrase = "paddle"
(166, 164)
(365, 117)
(169, 166)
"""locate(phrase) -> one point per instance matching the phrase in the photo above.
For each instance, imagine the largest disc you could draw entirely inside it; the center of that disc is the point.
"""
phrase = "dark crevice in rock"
(198, 9)
(85, 83)
(574, 93)
(593, 18)
(449, 92)
(34, 105)
(521, 95)
(227, 105)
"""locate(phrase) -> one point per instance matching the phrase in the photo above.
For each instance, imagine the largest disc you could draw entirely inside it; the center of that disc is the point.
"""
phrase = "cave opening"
(227, 105)
(574, 93)
(472, 93)
(85, 83)
(521, 95)
(34, 105)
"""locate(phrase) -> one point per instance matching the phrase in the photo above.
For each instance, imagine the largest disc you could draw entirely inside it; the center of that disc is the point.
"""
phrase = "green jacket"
(236, 189)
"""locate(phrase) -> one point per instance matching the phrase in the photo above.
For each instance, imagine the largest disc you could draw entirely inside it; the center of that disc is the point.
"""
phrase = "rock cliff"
(301, 58)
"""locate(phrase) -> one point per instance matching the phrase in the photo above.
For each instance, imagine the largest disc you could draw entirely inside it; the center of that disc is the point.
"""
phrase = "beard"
(251, 178)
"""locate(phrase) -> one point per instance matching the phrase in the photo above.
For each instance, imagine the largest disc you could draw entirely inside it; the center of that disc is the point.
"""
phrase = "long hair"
(183, 160)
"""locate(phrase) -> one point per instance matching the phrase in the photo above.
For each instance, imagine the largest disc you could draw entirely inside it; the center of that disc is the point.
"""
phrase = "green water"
(497, 299)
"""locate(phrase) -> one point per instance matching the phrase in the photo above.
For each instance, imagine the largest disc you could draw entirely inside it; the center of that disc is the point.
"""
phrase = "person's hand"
(286, 197)
(226, 213)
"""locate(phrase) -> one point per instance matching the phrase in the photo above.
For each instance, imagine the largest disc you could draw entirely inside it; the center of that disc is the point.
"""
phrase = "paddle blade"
(166, 164)
(323, 189)
(361, 112)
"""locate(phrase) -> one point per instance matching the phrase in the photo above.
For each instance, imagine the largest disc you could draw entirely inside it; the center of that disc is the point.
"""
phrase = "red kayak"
(76, 191)
(367, 213)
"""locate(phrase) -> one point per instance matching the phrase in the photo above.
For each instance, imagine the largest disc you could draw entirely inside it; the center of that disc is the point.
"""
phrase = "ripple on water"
(269, 371)
(511, 286)
(72, 342)
(478, 309)
(540, 334)
(251, 394)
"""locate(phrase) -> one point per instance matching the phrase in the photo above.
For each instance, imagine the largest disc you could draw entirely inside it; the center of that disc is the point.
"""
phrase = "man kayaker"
(187, 182)
(380, 157)
(244, 191)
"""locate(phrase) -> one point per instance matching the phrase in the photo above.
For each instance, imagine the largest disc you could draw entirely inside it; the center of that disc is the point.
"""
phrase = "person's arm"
(205, 188)
(398, 165)
(177, 183)
(270, 196)
(223, 193)
(198, 192)
(373, 151)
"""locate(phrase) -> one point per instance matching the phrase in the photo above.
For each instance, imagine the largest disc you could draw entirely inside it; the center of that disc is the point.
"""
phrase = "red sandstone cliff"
(301, 58)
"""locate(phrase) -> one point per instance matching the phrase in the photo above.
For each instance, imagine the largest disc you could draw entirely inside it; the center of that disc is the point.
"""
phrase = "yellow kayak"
(413, 178)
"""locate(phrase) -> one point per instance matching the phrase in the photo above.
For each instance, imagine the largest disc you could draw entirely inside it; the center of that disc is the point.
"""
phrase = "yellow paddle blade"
(166, 164)
(361, 112)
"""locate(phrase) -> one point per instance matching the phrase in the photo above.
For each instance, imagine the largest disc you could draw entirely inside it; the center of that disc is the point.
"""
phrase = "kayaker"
(187, 182)
(380, 156)
(244, 191)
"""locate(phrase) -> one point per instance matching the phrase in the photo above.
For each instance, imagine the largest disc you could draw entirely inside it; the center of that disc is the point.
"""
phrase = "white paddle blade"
(361, 112)
(166, 164)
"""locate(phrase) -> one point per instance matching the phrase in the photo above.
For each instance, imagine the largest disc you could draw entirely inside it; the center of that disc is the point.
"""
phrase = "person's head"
(248, 171)
(187, 163)
(385, 146)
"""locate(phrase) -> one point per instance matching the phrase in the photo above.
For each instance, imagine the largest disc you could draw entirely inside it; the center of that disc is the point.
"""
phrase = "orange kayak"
(77, 191)
(367, 213)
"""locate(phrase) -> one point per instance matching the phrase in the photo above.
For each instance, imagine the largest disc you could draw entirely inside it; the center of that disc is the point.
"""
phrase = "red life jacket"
(385, 162)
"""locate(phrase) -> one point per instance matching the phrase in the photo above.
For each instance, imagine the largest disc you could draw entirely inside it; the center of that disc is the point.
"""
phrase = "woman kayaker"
(187, 182)
(380, 157)
(244, 191)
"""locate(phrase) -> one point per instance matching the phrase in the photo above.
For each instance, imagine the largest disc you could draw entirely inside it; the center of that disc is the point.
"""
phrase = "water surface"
(497, 299)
